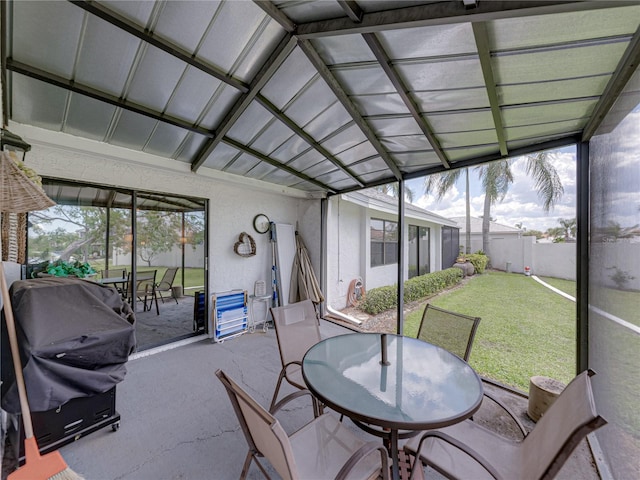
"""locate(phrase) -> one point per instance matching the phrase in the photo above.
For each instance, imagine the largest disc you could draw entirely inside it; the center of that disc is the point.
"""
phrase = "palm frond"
(546, 179)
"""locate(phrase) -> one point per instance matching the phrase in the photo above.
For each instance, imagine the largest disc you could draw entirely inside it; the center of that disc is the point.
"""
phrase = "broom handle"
(15, 354)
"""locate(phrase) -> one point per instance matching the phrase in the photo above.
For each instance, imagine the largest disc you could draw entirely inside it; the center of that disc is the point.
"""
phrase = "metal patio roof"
(319, 95)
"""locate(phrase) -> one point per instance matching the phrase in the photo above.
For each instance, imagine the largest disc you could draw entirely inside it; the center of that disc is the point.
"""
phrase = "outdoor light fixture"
(470, 3)
(8, 139)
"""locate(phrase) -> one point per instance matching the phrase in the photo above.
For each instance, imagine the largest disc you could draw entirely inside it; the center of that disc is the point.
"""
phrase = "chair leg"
(275, 394)
(154, 296)
(247, 464)
(161, 297)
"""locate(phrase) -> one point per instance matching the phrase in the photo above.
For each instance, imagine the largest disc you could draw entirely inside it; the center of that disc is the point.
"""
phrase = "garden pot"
(543, 391)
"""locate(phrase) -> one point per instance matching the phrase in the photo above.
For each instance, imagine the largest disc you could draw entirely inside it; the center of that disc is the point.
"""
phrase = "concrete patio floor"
(177, 421)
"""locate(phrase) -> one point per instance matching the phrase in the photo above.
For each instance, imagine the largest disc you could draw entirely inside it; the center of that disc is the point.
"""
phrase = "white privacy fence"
(621, 259)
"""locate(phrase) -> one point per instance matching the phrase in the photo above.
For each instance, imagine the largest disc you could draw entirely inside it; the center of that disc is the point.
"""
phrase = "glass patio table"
(421, 386)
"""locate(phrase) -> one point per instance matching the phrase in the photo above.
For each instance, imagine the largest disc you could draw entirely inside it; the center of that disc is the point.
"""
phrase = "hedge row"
(384, 298)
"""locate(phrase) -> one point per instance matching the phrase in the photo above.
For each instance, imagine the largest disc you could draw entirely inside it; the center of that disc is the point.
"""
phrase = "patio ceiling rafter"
(334, 85)
(73, 86)
(265, 158)
(306, 137)
(625, 69)
(268, 69)
(352, 9)
(385, 62)
(484, 52)
(145, 35)
(440, 13)
(516, 152)
(346, 102)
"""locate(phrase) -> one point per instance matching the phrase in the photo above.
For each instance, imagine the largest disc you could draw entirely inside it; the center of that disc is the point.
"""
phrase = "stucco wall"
(345, 249)
(545, 259)
(232, 208)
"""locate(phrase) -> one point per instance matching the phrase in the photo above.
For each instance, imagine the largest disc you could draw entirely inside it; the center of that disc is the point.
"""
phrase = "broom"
(36, 467)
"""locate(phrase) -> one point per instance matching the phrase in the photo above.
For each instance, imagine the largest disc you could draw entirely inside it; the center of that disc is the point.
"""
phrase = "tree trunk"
(468, 205)
(66, 253)
(486, 219)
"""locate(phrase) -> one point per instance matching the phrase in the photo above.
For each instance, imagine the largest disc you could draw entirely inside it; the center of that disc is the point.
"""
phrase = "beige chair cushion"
(324, 445)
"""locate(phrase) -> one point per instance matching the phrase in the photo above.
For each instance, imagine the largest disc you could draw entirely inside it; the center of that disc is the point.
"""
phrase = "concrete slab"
(177, 421)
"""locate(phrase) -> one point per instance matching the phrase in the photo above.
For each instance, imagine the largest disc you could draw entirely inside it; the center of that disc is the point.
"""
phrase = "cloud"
(520, 205)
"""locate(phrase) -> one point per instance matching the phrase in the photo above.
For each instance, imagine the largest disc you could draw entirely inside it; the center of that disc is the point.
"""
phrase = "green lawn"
(567, 286)
(526, 329)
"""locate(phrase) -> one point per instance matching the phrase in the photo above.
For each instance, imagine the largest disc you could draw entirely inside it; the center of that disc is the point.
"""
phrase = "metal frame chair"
(468, 450)
(145, 288)
(297, 331)
(165, 284)
(322, 449)
(456, 333)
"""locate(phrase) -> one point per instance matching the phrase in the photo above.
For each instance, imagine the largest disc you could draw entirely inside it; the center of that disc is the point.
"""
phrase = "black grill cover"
(75, 337)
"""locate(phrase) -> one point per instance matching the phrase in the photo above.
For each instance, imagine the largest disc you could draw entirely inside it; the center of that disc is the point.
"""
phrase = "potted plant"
(61, 268)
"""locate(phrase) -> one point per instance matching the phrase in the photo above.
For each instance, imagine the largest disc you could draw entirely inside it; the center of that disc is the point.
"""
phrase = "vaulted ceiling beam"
(484, 52)
(385, 62)
(440, 13)
(99, 10)
(472, 162)
(352, 9)
(346, 102)
(72, 86)
(269, 68)
(265, 158)
(307, 138)
(626, 67)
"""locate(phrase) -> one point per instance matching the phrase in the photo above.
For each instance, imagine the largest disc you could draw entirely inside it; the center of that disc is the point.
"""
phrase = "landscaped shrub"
(384, 298)
(479, 261)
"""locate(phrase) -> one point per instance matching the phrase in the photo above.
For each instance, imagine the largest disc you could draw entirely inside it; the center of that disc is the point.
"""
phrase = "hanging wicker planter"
(245, 246)
(19, 194)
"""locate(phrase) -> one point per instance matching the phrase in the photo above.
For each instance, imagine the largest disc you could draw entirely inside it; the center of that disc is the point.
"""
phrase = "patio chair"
(468, 450)
(456, 332)
(165, 284)
(322, 449)
(145, 290)
(297, 331)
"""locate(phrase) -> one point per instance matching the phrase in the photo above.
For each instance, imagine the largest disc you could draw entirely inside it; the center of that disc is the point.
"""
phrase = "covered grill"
(75, 337)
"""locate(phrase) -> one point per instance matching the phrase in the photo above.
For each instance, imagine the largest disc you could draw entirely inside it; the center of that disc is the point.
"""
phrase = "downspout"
(401, 222)
(324, 208)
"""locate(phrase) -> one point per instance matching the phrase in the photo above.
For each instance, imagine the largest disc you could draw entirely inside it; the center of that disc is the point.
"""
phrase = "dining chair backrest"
(263, 432)
(114, 273)
(566, 422)
(145, 281)
(452, 331)
(166, 282)
(297, 329)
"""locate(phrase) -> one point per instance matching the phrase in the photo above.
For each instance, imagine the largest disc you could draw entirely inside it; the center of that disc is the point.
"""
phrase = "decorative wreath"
(245, 246)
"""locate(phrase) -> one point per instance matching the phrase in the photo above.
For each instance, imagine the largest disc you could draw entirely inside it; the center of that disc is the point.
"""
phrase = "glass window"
(418, 248)
(384, 242)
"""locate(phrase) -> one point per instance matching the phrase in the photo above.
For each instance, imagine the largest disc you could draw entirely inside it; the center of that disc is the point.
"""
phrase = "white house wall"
(232, 206)
(349, 249)
(346, 251)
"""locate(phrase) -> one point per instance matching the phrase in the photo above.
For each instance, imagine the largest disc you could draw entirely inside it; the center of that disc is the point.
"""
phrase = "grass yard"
(526, 329)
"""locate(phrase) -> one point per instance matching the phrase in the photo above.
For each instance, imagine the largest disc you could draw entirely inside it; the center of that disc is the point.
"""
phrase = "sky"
(520, 205)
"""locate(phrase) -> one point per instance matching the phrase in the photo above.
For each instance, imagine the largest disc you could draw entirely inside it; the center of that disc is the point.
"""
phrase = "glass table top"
(424, 386)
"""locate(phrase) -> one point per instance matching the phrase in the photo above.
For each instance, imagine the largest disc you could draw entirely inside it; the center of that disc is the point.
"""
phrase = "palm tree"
(441, 183)
(393, 189)
(569, 227)
(496, 178)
